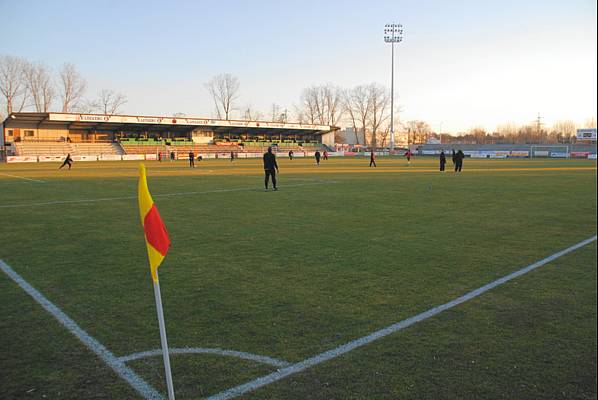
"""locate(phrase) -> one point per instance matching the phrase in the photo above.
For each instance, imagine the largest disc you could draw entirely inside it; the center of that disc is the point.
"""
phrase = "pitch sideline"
(80, 201)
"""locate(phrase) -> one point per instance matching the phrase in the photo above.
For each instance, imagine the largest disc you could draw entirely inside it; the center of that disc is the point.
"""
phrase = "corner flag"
(157, 242)
(156, 236)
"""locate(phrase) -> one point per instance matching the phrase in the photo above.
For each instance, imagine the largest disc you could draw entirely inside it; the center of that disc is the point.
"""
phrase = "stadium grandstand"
(56, 134)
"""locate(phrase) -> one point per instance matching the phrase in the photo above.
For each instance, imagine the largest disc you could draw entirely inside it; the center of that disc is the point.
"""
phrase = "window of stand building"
(29, 133)
(10, 133)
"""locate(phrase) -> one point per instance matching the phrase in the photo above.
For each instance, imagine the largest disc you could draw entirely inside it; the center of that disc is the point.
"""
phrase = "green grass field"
(340, 251)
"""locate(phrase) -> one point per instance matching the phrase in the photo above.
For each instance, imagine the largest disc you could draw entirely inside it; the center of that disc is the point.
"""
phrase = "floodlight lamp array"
(393, 33)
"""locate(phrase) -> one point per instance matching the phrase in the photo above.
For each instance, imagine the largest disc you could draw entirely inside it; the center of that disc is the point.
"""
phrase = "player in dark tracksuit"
(67, 161)
(191, 159)
(317, 155)
(459, 160)
(270, 168)
(442, 160)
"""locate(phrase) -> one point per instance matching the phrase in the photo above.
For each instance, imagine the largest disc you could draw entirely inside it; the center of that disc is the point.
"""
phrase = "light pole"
(393, 33)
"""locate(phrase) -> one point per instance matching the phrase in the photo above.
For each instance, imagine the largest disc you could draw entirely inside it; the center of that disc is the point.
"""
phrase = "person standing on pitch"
(270, 168)
(68, 160)
(442, 160)
(317, 155)
(372, 158)
(454, 158)
(191, 159)
(325, 155)
(291, 155)
(459, 160)
(408, 154)
(232, 156)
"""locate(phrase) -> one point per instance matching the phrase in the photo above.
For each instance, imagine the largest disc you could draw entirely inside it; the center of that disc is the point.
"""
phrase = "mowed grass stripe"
(338, 351)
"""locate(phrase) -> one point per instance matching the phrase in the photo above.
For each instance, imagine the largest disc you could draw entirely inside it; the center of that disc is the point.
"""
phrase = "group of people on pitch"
(457, 160)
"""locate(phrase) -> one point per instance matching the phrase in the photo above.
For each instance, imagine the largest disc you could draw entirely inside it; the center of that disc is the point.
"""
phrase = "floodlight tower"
(393, 33)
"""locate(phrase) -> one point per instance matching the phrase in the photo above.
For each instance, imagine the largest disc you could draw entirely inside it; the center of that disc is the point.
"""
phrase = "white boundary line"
(91, 343)
(202, 350)
(22, 177)
(252, 189)
(336, 352)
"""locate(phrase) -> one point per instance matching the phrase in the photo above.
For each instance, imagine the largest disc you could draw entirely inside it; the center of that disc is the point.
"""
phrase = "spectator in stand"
(67, 161)
(372, 158)
(317, 155)
(191, 159)
(270, 168)
(442, 160)
(459, 160)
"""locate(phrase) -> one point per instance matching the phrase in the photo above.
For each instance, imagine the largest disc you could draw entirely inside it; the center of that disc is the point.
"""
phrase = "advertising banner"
(85, 158)
(110, 157)
(151, 156)
(12, 159)
(51, 158)
(580, 154)
(133, 157)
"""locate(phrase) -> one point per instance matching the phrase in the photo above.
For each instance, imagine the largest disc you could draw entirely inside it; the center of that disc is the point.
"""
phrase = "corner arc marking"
(201, 350)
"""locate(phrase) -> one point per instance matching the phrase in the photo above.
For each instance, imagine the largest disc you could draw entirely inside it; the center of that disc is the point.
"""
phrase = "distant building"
(349, 136)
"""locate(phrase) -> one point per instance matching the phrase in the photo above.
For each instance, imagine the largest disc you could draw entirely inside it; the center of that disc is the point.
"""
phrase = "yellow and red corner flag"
(156, 236)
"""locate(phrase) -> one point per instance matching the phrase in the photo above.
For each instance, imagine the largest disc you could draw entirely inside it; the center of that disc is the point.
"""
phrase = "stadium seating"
(42, 148)
(63, 148)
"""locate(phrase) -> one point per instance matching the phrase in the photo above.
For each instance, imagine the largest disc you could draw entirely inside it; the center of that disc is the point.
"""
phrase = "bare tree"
(39, 84)
(321, 105)
(310, 108)
(562, 131)
(379, 101)
(278, 114)
(333, 96)
(108, 102)
(12, 83)
(418, 130)
(358, 107)
(224, 89)
(72, 87)
(590, 123)
(250, 114)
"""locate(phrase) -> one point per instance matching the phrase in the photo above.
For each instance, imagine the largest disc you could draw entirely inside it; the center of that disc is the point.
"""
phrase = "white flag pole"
(163, 339)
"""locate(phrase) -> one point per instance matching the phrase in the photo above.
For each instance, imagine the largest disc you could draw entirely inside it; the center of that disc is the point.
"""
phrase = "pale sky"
(461, 64)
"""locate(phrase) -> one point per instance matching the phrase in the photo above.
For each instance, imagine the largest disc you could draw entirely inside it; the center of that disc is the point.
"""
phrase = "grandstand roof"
(153, 123)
